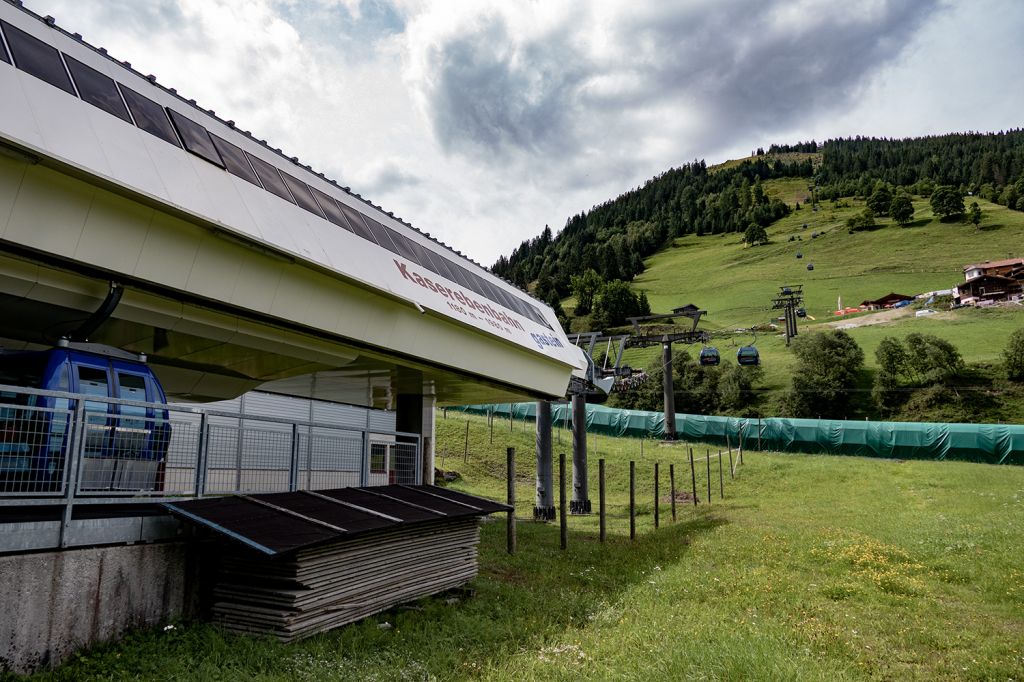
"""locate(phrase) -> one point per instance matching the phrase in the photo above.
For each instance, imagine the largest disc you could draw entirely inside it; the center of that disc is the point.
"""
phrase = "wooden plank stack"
(324, 587)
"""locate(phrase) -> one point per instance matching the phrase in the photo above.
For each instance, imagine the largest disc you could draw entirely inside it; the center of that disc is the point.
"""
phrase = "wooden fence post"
(511, 456)
(732, 467)
(601, 499)
(743, 430)
(656, 519)
(672, 486)
(563, 513)
(708, 455)
(759, 434)
(632, 500)
(465, 447)
(721, 477)
(693, 478)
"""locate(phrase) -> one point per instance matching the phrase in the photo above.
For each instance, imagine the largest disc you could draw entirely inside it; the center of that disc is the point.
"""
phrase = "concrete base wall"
(54, 603)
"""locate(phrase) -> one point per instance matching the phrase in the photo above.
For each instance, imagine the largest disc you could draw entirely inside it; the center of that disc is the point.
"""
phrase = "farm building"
(991, 282)
(1004, 268)
(887, 301)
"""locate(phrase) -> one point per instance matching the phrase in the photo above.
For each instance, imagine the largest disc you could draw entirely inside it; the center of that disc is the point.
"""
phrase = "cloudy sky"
(480, 121)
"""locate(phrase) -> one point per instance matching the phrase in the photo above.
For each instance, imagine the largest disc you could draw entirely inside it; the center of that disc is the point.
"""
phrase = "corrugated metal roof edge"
(473, 511)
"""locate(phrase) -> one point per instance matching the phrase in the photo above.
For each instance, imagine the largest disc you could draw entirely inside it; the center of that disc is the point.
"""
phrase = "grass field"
(736, 284)
(810, 568)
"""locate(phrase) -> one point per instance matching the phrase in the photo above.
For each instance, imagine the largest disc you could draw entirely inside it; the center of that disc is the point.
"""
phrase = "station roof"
(241, 267)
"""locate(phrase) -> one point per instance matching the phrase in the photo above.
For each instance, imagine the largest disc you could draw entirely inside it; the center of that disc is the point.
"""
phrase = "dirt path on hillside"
(883, 317)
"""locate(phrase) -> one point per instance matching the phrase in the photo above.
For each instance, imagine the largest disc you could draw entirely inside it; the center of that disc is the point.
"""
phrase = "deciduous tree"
(947, 202)
(901, 209)
(1013, 356)
(755, 235)
(826, 369)
(974, 214)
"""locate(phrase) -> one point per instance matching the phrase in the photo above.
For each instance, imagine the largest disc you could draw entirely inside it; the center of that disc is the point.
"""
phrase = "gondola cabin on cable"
(748, 355)
(810, 266)
(799, 254)
(709, 356)
(801, 312)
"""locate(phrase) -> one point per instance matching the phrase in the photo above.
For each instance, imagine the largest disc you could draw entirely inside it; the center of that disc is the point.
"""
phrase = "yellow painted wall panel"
(169, 251)
(215, 270)
(114, 233)
(50, 212)
(11, 174)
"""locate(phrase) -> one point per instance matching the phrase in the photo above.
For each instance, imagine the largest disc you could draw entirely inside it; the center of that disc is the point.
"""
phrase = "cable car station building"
(133, 218)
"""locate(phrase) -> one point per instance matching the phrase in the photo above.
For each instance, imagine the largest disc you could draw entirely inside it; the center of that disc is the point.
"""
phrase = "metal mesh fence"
(33, 443)
(51, 441)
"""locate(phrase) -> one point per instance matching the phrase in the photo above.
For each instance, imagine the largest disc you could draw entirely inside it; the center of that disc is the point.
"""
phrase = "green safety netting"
(989, 443)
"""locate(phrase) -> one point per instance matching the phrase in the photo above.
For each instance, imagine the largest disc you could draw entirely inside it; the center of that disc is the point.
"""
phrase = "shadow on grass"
(920, 222)
(524, 601)
(992, 227)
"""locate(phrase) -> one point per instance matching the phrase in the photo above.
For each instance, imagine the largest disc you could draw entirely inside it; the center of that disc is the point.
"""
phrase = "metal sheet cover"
(281, 523)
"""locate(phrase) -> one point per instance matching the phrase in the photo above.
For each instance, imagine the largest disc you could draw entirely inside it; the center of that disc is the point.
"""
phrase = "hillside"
(735, 285)
(612, 238)
(725, 237)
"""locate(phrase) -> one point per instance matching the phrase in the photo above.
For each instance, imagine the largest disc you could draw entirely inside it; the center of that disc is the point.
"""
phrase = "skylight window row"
(37, 58)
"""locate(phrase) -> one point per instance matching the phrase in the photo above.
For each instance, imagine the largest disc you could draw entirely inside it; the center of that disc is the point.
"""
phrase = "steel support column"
(544, 506)
(580, 503)
(670, 396)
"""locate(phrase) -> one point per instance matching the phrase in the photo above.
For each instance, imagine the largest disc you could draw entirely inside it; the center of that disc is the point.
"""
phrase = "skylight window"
(35, 57)
(149, 116)
(235, 160)
(97, 89)
(195, 138)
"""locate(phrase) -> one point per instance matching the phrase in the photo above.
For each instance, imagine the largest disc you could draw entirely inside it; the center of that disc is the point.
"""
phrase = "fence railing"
(56, 447)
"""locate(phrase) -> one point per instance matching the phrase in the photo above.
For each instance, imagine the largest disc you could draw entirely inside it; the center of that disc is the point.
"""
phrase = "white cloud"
(481, 120)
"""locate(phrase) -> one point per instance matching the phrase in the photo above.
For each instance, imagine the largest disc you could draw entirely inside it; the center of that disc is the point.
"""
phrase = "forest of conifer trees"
(613, 238)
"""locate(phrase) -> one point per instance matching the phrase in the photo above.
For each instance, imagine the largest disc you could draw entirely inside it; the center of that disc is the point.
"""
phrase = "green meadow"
(808, 568)
(736, 285)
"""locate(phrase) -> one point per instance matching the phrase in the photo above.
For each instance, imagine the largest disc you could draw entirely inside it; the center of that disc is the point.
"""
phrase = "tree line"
(614, 237)
(989, 165)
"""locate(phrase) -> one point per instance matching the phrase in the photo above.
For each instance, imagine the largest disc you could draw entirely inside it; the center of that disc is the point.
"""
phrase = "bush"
(827, 367)
(755, 235)
(865, 220)
(1013, 356)
(921, 360)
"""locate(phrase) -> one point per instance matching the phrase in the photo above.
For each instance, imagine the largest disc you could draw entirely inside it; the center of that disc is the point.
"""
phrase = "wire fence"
(657, 491)
(75, 446)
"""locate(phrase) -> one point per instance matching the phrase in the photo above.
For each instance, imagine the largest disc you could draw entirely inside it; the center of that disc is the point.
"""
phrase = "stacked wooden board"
(296, 570)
